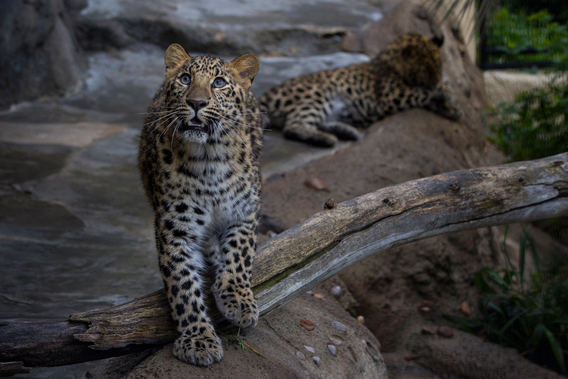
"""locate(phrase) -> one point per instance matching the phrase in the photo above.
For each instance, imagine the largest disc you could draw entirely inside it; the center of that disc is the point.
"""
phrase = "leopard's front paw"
(299, 132)
(342, 130)
(236, 304)
(200, 348)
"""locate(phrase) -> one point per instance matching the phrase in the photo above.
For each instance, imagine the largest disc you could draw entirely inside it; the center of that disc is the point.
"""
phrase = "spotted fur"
(321, 107)
(199, 162)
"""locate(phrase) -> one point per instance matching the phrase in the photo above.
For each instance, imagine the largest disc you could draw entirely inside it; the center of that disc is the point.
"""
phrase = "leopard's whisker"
(174, 134)
(154, 121)
(165, 117)
(247, 114)
(166, 129)
(232, 129)
(240, 123)
(249, 126)
(153, 112)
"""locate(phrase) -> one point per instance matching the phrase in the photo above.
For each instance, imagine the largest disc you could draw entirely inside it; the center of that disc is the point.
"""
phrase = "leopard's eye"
(185, 79)
(218, 83)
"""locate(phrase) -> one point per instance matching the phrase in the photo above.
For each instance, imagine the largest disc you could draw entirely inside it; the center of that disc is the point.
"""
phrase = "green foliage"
(531, 317)
(557, 8)
(514, 32)
(534, 125)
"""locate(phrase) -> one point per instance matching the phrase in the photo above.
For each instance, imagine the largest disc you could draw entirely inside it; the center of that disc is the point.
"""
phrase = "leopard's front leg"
(232, 287)
(181, 264)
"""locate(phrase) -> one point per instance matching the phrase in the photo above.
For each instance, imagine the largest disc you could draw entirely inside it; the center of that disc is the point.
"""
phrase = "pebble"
(424, 310)
(332, 349)
(316, 360)
(335, 291)
(300, 355)
(339, 326)
(272, 234)
(465, 308)
(445, 331)
(428, 330)
(373, 352)
(316, 183)
(361, 320)
(310, 349)
(336, 342)
(318, 296)
(329, 204)
(307, 324)
(310, 292)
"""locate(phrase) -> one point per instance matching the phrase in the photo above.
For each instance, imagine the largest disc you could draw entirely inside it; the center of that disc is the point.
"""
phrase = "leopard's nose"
(197, 104)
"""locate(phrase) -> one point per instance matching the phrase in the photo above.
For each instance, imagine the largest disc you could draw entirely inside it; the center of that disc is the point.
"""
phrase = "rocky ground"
(76, 232)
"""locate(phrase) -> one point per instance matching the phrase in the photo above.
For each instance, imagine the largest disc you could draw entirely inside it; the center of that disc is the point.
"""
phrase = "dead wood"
(311, 252)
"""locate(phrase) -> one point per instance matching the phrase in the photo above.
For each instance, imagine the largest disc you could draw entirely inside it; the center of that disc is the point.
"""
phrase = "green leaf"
(497, 279)
(512, 320)
(522, 248)
(556, 349)
(490, 304)
(481, 283)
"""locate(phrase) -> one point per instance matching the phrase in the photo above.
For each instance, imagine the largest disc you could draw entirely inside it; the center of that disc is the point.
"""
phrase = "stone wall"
(37, 52)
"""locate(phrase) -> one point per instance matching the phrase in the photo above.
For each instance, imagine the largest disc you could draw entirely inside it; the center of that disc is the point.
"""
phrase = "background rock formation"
(38, 55)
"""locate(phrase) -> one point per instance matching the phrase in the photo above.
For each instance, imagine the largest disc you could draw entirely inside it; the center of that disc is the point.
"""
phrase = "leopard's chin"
(196, 132)
(192, 127)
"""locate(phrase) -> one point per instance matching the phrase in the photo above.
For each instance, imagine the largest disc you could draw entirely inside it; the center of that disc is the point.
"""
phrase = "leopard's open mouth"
(194, 124)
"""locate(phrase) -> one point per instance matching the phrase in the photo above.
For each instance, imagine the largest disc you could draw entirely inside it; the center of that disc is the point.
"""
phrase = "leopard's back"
(319, 94)
(318, 107)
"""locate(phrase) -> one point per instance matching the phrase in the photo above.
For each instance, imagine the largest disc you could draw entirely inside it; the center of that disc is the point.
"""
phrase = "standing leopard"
(324, 106)
(199, 163)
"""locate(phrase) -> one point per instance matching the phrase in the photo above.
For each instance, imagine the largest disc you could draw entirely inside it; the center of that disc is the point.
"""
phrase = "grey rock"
(335, 290)
(310, 349)
(332, 349)
(37, 53)
(280, 358)
(335, 341)
(218, 28)
(339, 326)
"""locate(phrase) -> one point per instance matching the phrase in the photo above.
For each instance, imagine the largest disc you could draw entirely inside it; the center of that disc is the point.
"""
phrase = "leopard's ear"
(244, 69)
(175, 57)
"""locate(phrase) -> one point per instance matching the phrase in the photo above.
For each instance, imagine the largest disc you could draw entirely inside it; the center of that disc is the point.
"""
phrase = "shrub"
(513, 32)
(533, 125)
(531, 317)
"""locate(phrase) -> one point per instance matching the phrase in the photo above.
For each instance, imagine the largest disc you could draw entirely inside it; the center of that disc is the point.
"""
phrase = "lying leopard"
(199, 162)
(321, 107)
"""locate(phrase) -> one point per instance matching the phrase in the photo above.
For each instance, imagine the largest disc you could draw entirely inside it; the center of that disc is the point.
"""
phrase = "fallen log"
(311, 252)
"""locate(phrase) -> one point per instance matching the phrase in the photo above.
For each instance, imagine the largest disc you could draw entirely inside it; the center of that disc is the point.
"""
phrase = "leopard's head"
(415, 58)
(205, 94)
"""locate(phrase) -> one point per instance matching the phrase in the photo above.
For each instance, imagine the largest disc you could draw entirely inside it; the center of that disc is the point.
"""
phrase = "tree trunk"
(311, 252)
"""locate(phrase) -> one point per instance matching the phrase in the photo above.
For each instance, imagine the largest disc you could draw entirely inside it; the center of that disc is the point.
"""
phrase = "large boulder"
(38, 56)
(282, 349)
(391, 286)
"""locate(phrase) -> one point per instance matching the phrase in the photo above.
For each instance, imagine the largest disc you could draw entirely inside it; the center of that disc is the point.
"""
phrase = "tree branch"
(312, 251)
